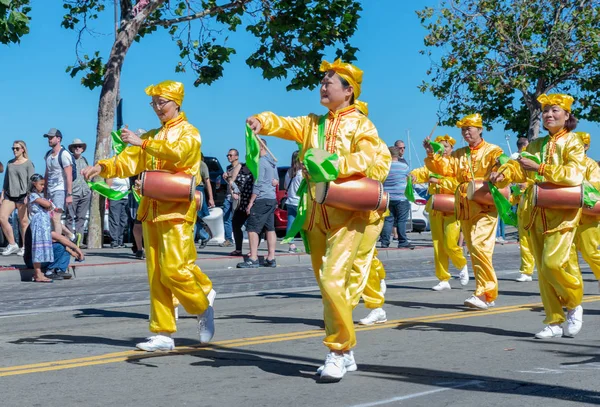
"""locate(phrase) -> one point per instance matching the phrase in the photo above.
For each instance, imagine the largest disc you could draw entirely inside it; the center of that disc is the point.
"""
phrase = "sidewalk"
(108, 261)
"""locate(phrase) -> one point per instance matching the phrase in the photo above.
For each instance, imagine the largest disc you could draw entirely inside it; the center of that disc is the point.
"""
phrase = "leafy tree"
(292, 38)
(497, 56)
(14, 22)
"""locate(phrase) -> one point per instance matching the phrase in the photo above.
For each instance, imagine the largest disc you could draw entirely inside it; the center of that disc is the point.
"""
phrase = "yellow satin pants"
(480, 237)
(333, 252)
(172, 272)
(445, 231)
(560, 280)
(365, 278)
(587, 239)
(527, 261)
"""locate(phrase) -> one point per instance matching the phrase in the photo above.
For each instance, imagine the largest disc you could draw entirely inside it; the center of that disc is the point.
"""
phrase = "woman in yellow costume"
(474, 162)
(587, 236)
(167, 226)
(527, 261)
(445, 229)
(552, 231)
(334, 235)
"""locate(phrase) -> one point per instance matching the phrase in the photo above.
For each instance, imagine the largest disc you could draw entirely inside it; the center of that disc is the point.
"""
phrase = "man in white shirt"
(59, 179)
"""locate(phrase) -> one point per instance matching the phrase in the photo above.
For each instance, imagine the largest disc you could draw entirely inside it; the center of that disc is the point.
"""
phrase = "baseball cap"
(53, 132)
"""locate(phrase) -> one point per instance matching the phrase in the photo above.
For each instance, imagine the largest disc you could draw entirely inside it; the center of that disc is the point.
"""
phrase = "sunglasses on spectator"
(230, 155)
(402, 148)
(16, 148)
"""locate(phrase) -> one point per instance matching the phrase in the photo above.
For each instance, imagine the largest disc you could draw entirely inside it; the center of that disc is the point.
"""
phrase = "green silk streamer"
(252, 153)
(321, 165)
(503, 206)
(104, 189)
(532, 157)
(515, 190)
(438, 148)
(433, 175)
(300, 216)
(503, 159)
(136, 196)
(409, 192)
(118, 144)
(590, 195)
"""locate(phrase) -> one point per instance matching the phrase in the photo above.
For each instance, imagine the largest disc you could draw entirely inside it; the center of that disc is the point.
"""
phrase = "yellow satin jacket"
(174, 147)
(348, 133)
(465, 165)
(563, 164)
(592, 175)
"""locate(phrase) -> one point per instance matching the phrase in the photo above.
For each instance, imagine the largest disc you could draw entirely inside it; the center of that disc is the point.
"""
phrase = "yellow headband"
(352, 75)
(564, 101)
(168, 89)
(585, 137)
(445, 138)
(472, 120)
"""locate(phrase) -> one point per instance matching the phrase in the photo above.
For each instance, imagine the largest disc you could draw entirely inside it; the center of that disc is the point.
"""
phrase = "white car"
(419, 218)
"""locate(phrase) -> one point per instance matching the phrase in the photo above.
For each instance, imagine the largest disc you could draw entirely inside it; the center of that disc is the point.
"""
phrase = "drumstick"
(262, 143)
(431, 134)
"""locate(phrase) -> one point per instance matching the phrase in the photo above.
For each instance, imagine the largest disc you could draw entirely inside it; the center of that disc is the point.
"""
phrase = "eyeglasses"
(231, 155)
(159, 105)
(50, 137)
(401, 148)
(77, 146)
(16, 148)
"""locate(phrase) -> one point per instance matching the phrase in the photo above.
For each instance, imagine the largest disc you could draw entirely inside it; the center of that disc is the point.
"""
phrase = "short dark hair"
(236, 152)
(571, 123)
(522, 142)
(346, 85)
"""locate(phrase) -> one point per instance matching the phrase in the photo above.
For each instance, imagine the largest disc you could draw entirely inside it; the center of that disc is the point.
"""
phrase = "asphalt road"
(71, 344)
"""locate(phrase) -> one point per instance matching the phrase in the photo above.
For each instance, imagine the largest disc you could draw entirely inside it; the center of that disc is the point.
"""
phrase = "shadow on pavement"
(103, 313)
(276, 320)
(449, 327)
(420, 305)
(278, 296)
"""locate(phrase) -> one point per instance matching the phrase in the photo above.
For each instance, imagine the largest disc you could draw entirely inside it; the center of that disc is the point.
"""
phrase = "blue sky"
(38, 94)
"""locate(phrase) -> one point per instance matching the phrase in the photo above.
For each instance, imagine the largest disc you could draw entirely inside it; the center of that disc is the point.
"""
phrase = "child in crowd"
(41, 228)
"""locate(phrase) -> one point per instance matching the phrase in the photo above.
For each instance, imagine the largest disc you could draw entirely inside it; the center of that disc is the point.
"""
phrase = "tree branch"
(201, 14)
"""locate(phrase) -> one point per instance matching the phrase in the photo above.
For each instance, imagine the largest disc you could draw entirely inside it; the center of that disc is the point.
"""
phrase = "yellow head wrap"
(585, 137)
(168, 89)
(445, 138)
(564, 101)
(472, 120)
(352, 75)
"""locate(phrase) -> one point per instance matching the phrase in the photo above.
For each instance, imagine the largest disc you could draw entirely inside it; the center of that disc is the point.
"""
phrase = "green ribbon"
(433, 175)
(409, 192)
(104, 189)
(118, 144)
(590, 195)
(503, 159)
(136, 196)
(300, 216)
(532, 157)
(503, 206)
(321, 165)
(252, 153)
(515, 190)
(438, 148)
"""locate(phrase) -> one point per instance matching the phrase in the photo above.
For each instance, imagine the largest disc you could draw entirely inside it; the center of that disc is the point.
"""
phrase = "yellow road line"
(258, 340)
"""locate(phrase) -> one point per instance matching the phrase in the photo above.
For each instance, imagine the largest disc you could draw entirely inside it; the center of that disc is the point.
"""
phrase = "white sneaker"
(334, 368)
(550, 331)
(491, 304)
(21, 252)
(523, 278)
(376, 316)
(10, 249)
(206, 325)
(464, 276)
(574, 321)
(475, 302)
(349, 363)
(211, 297)
(157, 343)
(441, 286)
(383, 286)
(176, 313)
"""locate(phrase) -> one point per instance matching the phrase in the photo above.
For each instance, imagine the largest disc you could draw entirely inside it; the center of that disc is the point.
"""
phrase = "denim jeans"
(61, 259)
(292, 211)
(399, 211)
(227, 216)
(500, 230)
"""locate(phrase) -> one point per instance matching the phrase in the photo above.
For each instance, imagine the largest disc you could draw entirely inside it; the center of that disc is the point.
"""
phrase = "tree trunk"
(106, 108)
(535, 116)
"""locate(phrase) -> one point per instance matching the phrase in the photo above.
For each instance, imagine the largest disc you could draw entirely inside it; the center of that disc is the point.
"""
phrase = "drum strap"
(470, 162)
(321, 128)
